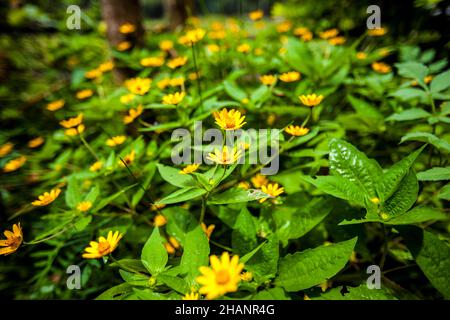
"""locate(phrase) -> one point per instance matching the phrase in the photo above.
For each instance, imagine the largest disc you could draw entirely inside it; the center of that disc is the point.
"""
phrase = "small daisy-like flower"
(243, 48)
(159, 220)
(84, 206)
(256, 15)
(290, 76)
(330, 33)
(208, 230)
(296, 130)
(311, 100)
(127, 28)
(96, 166)
(272, 189)
(194, 36)
(36, 142)
(190, 168)
(191, 296)
(307, 36)
(163, 83)
(221, 277)
(213, 48)
(176, 62)
(132, 114)
(14, 164)
(174, 242)
(225, 156)
(377, 32)
(75, 131)
(177, 82)
(229, 120)
(217, 35)
(284, 27)
(72, 122)
(194, 76)
(268, 79)
(106, 66)
(46, 198)
(115, 141)
(55, 105)
(93, 74)
(259, 180)
(123, 45)
(246, 276)
(428, 79)
(381, 67)
(244, 185)
(6, 148)
(166, 45)
(300, 31)
(152, 62)
(128, 159)
(103, 247)
(138, 86)
(173, 98)
(84, 94)
(336, 41)
(13, 240)
(375, 200)
(361, 55)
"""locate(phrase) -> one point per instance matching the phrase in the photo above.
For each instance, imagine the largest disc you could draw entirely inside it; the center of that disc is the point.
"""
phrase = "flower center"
(222, 277)
(103, 247)
(13, 242)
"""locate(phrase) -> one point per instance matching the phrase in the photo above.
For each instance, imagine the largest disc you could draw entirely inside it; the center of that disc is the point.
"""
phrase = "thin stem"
(199, 88)
(86, 144)
(203, 210)
(221, 246)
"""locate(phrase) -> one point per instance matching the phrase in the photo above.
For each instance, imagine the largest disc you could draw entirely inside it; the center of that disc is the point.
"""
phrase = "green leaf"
(182, 195)
(234, 91)
(151, 167)
(93, 194)
(179, 222)
(440, 82)
(427, 137)
(263, 263)
(195, 253)
(130, 265)
(303, 270)
(361, 292)
(338, 187)
(174, 177)
(414, 70)
(134, 279)
(406, 94)
(82, 223)
(154, 255)
(104, 202)
(417, 215)
(364, 108)
(175, 283)
(243, 237)
(444, 193)
(260, 94)
(118, 292)
(434, 174)
(73, 193)
(148, 294)
(237, 195)
(410, 114)
(404, 197)
(271, 294)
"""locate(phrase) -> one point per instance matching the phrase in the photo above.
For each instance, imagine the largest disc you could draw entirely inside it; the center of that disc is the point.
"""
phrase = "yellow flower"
(93, 74)
(375, 200)
(259, 180)
(381, 67)
(307, 36)
(103, 247)
(244, 185)
(213, 48)
(246, 276)
(327, 34)
(174, 242)
(300, 31)
(96, 166)
(159, 220)
(6, 149)
(84, 206)
(173, 98)
(229, 120)
(132, 114)
(221, 277)
(217, 35)
(245, 101)
(74, 131)
(190, 168)
(191, 296)
(208, 230)
(106, 66)
(336, 40)
(225, 156)
(128, 159)
(428, 79)
(127, 98)
(138, 86)
(124, 45)
(72, 122)
(46, 198)
(115, 141)
(177, 82)
(290, 76)
(55, 105)
(377, 32)
(311, 100)
(166, 45)
(14, 164)
(267, 79)
(163, 83)
(272, 189)
(256, 15)
(296, 130)
(13, 240)
(156, 207)
(361, 55)
(84, 94)
(194, 36)
(284, 27)
(127, 28)
(194, 76)
(169, 248)
(177, 62)
(36, 142)
(243, 48)
(152, 62)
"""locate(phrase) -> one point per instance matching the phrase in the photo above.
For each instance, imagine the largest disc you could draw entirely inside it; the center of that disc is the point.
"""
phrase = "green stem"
(86, 144)
(199, 88)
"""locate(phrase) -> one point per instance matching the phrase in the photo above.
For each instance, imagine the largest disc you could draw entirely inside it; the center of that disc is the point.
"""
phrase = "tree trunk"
(177, 11)
(115, 13)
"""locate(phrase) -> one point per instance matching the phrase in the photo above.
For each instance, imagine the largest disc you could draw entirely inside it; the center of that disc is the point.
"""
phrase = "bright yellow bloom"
(336, 41)
(127, 98)
(193, 36)
(290, 76)
(103, 247)
(163, 83)
(191, 296)
(132, 114)
(173, 98)
(327, 34)
(46, 198)
(244, 185)
(208, 230)
(300, 31)
(36, 142)
(381, 67)
(13, 240)
(296, 130)
(194, 76)
(361, 55)
(169, 248)
(156, 207)
(72, 122)
(106, 66)
(84, 206)
(246, 276)
(284, 27)
(115, 141)
(225, 156)
(259, 180)
(221, 277)
(166, 45)
(428, 79)
(127, 28)
(256, 15)
(138, 86)
(243, 48)
(375, 200)
(217, 35)
(377, 32)
(267, 79)
(159, 220)
(272, 189)
(128, 159)
(174, 242)
(75, 131)
(124, 45)
(96, 166)
(93, 74)
(229, 120)
(152, 62)
(55, 105)
(177, 62)
(190, 168)
(307, 36)
(213, 48)
(311, 100)
(14, 164)
(177, 82)
(6, 149)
